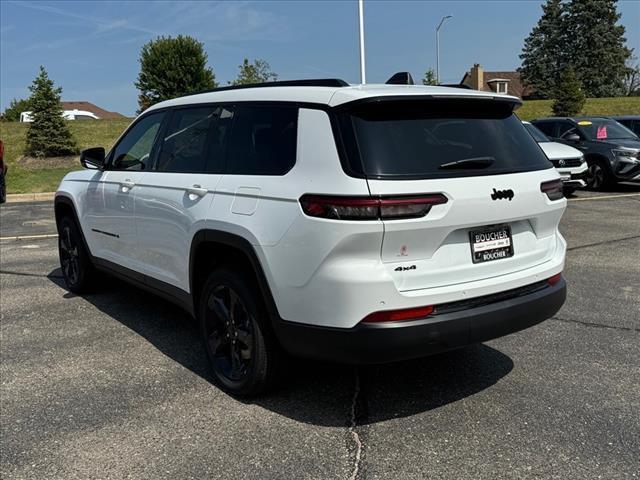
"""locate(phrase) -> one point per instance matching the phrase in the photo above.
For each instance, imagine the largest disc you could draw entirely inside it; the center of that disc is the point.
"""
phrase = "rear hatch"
(496, 218)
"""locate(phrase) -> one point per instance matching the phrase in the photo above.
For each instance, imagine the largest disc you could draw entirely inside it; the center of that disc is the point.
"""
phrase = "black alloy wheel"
(241, 347)
(599, 176)
(75, 264)
(229, 334)
(69, 258)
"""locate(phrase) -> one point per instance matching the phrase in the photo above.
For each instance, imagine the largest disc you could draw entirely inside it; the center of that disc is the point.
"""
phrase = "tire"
(75, 262)
(243, 353)
(599, 175)
(568, 191)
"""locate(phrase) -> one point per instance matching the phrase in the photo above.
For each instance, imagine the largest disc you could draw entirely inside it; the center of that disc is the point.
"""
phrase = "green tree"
(48, 134)
(543, 55)
(597, 46)
(172, 67)
(429, 77)
(15, 108)
(632, 78)
(569, 97)
(257, 72)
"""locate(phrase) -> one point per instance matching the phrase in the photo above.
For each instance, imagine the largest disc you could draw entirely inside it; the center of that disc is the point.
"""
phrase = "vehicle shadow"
(316, 393)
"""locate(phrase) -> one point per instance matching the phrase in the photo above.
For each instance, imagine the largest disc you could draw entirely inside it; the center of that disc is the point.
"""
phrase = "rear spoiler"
(514, 102)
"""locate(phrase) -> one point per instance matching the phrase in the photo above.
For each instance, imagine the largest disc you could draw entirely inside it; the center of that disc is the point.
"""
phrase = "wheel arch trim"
(245, 247)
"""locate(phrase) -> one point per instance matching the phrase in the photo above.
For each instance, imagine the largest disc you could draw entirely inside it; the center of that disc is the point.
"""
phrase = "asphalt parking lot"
(115, 384)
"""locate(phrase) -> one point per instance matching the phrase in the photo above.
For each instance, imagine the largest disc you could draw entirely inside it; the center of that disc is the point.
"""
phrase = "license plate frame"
(487, 249)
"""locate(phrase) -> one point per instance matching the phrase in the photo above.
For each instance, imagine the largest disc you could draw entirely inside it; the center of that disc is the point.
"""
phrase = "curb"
(30, 197)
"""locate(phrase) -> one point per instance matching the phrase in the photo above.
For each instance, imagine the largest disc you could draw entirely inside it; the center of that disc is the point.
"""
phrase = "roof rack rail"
(317, 82)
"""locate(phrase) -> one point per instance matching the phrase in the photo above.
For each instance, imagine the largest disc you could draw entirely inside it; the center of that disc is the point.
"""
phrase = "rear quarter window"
(263, 140)
(416, 139)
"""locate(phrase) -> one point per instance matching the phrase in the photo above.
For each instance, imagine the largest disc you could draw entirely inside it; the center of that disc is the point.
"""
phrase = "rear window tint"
(185, 143)
(263, 140)
(415, 139)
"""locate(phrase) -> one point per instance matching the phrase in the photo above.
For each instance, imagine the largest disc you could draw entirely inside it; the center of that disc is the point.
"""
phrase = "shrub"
(48, 134)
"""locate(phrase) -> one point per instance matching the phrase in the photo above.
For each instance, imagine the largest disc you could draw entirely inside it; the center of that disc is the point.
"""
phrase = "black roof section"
(312, 82)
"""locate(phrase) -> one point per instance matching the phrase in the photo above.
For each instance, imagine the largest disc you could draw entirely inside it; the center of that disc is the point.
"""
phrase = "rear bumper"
(456, 327)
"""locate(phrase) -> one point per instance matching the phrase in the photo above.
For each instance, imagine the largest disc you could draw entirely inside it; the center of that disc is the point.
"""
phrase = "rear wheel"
(243, 354)
(599, 176)
(75, 263)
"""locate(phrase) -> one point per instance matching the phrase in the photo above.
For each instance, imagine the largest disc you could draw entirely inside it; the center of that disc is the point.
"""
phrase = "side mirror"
(572, 137)
(93, 158)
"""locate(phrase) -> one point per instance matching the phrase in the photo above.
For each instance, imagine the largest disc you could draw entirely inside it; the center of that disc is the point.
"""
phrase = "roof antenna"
(401, 78)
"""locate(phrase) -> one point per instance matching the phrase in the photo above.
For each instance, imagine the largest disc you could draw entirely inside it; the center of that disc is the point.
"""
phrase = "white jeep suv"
(359, 224)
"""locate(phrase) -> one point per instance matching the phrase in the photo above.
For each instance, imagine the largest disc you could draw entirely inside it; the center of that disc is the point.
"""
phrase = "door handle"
(197, 191)
(127, 185)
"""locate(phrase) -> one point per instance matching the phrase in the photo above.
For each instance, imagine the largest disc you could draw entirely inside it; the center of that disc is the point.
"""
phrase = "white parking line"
(30, 237)
(603, 197)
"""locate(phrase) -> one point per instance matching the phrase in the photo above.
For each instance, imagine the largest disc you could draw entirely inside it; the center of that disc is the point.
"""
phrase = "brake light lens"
(399, 315)
(555, 279)
(553, 189)
(367, 208)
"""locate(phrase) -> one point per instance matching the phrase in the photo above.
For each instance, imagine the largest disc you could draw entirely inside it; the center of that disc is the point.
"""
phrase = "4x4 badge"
(499, 194)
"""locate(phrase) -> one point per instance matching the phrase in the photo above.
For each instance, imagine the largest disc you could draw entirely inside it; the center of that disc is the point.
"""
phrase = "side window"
(133, 152)
(263, 140)
(185, 146)
(547, 128)
(566, 128)
(218, 142)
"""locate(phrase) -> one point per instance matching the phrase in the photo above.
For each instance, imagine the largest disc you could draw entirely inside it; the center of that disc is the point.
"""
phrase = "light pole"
(363, 76)
(438, 47)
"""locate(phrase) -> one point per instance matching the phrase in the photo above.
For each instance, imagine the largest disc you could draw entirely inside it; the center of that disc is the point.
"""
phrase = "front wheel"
(241, 348)
(75, 263)
(598, 177)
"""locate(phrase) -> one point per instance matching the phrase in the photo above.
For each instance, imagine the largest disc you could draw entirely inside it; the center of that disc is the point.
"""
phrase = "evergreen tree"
(172, 67)
(543, 54)
(569, 97)
(597, 46)
(48, 134)
(15, 108)
(429, 77)
(257, 72)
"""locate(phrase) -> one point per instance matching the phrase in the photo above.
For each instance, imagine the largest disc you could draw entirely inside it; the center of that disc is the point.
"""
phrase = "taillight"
(555, 279)
(367, 208)
(398, 315)
(553, 189)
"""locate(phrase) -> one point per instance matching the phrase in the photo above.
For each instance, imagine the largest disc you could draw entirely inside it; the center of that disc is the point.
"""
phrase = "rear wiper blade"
(475, 162)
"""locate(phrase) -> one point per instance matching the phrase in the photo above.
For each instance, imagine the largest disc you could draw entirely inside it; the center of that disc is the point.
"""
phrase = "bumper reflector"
(398, 315)
(555, 279)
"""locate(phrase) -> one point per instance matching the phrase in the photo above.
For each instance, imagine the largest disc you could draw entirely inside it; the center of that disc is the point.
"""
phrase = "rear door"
(496, 219)
(172, 200)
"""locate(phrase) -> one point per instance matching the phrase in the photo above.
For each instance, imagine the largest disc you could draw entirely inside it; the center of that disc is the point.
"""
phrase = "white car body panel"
(324, 272)
(560, 151)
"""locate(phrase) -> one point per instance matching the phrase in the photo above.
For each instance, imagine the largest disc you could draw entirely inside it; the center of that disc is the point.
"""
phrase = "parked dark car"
(611, 150)
(632, 122)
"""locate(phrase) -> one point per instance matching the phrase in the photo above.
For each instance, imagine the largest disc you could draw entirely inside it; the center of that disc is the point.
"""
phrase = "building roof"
(331, 96)
(90, 107)
(513, 78)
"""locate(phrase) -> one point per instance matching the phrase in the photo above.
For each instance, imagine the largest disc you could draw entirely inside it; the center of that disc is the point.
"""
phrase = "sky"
(91, 49)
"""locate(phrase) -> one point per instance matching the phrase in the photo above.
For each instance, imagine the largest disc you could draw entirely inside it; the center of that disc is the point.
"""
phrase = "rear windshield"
(437, 138)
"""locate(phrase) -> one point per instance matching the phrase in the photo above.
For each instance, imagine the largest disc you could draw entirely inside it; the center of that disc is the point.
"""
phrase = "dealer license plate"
(491, 243)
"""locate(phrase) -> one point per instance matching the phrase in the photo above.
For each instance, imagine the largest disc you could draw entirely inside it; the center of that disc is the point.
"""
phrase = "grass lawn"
(24, 179)
(595, 106)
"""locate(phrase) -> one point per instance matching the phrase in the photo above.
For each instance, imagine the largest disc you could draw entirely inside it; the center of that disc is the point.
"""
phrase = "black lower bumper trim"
(388, 342)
